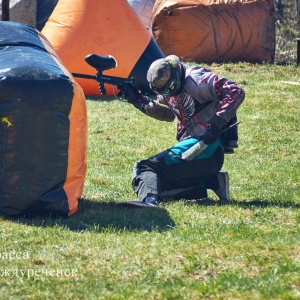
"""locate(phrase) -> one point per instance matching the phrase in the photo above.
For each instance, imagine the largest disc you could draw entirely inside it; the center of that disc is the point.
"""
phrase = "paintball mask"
(164, 76)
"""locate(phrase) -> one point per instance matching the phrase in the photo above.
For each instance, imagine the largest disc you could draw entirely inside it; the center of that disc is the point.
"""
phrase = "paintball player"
(203, 105)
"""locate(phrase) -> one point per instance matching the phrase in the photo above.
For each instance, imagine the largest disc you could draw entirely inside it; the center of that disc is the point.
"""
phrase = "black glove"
(134, 96)
(131, 93)
(211, 135)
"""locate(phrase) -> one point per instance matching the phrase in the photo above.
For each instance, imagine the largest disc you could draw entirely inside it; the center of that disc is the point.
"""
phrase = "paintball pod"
(103, 63)
(200, 146)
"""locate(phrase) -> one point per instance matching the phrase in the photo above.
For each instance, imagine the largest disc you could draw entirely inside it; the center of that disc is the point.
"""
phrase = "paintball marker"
(103, 63)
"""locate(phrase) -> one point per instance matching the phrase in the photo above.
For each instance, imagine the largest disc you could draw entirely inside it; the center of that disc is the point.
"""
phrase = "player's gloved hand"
(134, 96)
(211, 135)
(131, 93)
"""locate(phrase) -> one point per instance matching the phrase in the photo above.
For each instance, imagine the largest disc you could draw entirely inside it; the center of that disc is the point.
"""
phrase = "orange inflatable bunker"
(43, 127)
(216, 30)
(77, 28)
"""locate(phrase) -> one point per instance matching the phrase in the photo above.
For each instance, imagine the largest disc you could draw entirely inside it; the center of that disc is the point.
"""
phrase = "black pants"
(168, 176)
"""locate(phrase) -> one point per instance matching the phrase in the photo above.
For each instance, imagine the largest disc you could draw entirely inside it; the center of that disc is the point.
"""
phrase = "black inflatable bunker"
(42, 127)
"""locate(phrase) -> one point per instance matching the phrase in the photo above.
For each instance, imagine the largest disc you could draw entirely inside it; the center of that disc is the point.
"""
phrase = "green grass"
(184, 249)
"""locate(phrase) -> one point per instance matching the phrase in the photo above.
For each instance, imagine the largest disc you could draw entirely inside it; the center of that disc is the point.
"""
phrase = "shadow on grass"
(265, 203)
(106, 216)
(97, 216)
(251, 203)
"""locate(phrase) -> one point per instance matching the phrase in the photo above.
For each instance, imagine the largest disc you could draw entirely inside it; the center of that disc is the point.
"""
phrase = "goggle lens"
(169, 88)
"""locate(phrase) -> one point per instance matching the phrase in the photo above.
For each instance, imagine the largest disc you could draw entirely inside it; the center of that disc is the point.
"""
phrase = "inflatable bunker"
(43, 127)
(22, 11)
(77, 28)
(143, 8)
(31, 12)
(44, 9)
(216, 30)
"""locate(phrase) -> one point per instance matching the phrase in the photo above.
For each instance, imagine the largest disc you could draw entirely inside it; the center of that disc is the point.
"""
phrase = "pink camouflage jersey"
(205, 99)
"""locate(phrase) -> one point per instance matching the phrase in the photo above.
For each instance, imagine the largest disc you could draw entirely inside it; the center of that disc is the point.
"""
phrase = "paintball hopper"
(101, 62)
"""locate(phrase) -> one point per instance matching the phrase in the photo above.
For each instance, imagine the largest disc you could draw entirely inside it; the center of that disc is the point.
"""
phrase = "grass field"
(184, 249)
